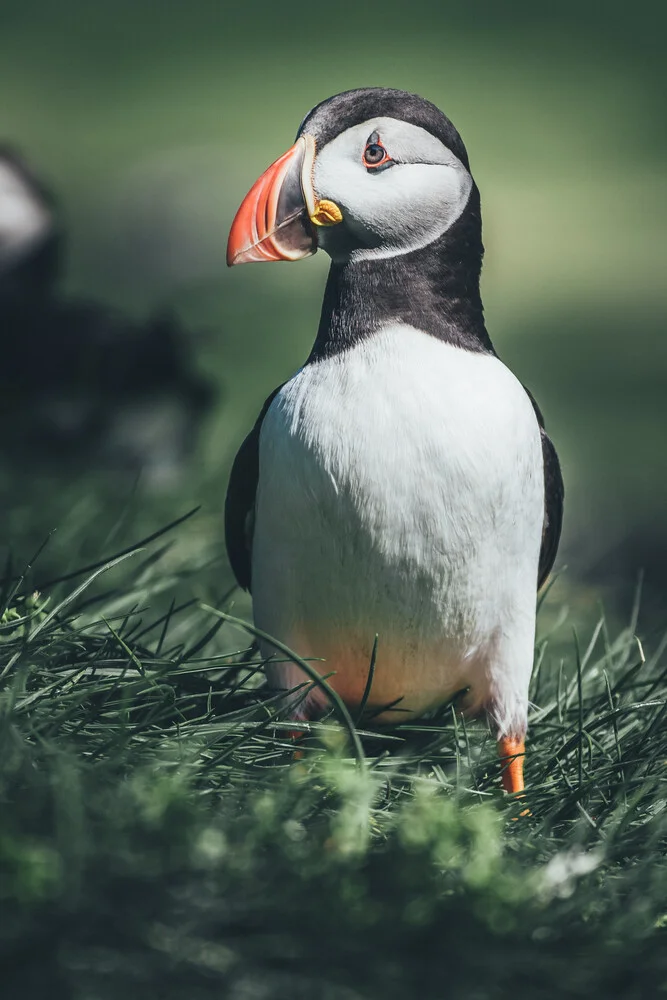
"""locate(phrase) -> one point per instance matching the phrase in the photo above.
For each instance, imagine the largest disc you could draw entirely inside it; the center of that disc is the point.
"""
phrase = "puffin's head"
(373, 173)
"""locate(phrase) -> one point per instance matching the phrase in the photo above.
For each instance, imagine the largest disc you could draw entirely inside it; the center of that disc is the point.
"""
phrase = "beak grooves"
(277, 216)
(271, 223)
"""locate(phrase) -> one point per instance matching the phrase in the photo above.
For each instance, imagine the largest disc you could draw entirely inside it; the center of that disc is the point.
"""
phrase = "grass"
(158, 838)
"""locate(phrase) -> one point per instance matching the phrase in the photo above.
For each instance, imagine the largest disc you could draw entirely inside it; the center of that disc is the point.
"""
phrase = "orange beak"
(278, 216)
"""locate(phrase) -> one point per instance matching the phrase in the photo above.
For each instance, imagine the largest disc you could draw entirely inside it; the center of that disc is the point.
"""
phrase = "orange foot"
(295, 735)
(512, 753)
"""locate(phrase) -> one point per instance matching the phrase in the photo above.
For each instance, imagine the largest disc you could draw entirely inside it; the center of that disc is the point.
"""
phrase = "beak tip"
(232, 251)
(236, 252)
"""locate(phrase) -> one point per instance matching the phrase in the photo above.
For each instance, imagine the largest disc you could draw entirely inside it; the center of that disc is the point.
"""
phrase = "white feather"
(392, 211)
(401, 492)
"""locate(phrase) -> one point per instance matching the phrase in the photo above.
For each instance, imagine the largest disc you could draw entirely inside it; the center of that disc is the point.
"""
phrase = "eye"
(375, 155)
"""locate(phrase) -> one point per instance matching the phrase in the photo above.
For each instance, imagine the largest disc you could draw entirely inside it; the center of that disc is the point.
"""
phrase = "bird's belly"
(399, 496)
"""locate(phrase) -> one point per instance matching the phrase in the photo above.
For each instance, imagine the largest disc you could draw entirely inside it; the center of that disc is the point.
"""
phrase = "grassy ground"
(157, 838)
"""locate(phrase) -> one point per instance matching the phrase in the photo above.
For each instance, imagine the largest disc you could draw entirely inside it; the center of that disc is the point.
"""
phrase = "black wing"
(554, 494)
(240, 502)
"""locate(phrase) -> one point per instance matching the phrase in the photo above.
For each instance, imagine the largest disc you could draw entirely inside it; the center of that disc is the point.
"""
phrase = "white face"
(23, 219)
(393, 209)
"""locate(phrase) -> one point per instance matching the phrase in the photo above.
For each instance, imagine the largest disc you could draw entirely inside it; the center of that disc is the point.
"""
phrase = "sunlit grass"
(157, 834)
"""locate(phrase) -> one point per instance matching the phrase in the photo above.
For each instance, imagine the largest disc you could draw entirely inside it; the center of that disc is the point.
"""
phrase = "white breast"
(401, 492)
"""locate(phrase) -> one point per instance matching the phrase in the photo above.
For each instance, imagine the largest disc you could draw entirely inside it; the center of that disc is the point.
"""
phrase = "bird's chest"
(405, 448)
(400, 492)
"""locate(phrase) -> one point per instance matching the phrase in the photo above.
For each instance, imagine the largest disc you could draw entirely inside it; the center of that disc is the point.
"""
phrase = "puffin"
(81, 384)
(401, 485)
(30, 231)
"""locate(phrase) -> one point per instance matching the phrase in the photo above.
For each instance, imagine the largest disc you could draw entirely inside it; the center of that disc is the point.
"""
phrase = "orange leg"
(295, 735)
(512, 753)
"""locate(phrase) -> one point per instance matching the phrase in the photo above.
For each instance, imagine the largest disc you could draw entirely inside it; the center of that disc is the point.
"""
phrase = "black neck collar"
(435, 289)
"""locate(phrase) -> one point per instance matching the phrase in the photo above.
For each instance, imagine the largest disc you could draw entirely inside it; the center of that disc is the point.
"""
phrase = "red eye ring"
(375, 155)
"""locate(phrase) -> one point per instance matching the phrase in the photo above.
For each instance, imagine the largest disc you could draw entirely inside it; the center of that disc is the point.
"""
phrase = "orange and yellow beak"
(278, 217)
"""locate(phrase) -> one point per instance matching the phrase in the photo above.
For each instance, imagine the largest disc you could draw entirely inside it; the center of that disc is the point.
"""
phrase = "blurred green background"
(151, 119)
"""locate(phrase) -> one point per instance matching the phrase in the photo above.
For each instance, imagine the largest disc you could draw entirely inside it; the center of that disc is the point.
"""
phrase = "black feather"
(240, 501)
(554, 496)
